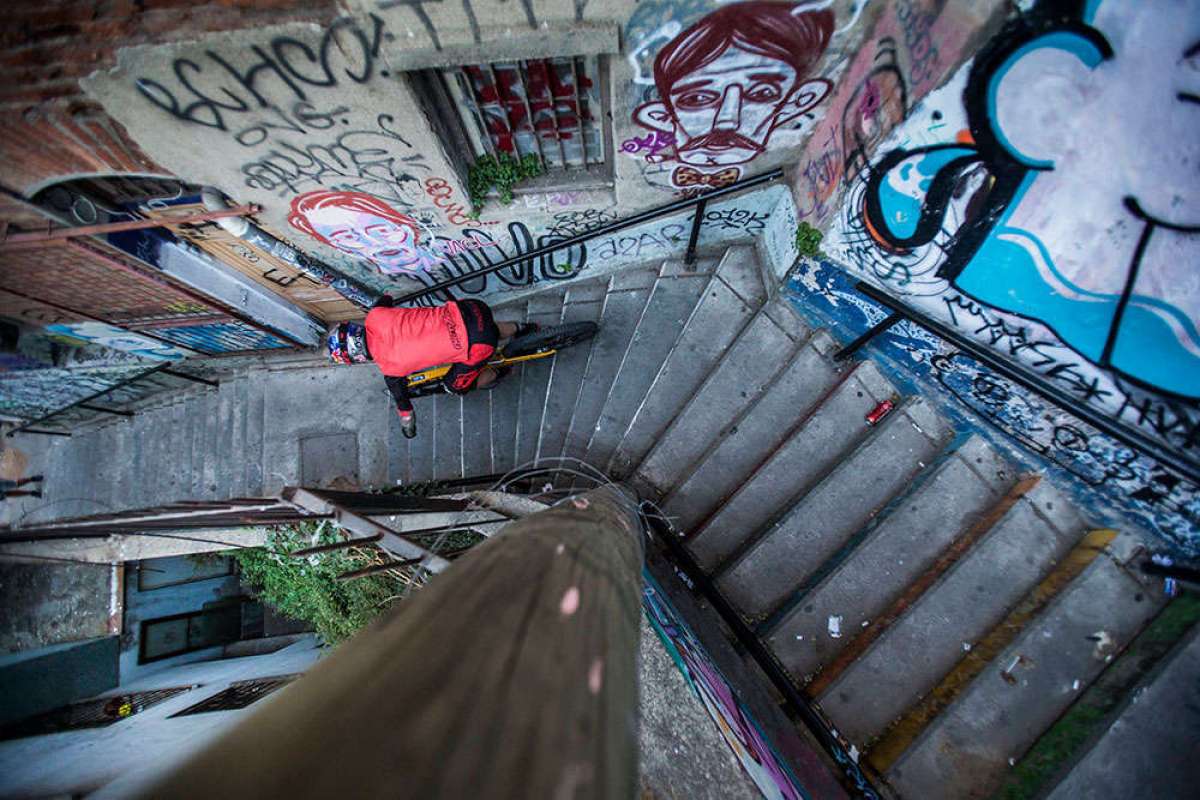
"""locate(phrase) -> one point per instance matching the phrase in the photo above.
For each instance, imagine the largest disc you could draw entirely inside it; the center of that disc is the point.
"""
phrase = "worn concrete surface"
(682, 753)
(1152, 749)
(49, 603)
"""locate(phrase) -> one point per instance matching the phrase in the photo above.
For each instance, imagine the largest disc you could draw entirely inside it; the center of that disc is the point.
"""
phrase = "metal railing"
(1139, 442)
(87, 404)
(700, 202)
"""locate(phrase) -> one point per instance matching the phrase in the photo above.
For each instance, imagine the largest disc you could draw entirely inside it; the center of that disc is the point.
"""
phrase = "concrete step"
(1149, 750)
(665, 316)
(834, 510)
(744, 373)
(255, 412)
(835, 425)
(584, 303)
(896, 551)
(965, 751)
(544, 309)
(628, 293)
(420, 449)
(448, 437)
(731, 300)
(399, 471)
(911, 657)
(477, 433)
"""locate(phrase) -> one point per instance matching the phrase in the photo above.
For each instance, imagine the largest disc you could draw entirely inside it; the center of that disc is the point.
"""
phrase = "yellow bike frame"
(437, 373)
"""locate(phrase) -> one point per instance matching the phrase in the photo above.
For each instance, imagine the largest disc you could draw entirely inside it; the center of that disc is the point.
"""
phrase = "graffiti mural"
(1103, 472)
(1045, 202)
(738, 728)
(723, 85)
(365, 227)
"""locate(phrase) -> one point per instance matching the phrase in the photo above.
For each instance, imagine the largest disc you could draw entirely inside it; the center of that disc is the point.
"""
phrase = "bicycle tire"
(555, 337)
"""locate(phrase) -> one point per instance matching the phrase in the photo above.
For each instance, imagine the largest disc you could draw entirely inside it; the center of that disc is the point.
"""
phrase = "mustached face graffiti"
(727, 82)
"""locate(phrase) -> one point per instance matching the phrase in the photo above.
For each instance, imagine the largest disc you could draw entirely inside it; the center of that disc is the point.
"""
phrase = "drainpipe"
(352, 290)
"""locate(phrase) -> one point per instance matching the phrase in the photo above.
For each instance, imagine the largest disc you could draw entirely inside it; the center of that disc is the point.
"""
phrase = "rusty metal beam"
(26, 237)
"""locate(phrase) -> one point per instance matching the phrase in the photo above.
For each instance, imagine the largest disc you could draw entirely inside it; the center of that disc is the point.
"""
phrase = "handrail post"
(876, 329)
(689, 258)
(512, 674)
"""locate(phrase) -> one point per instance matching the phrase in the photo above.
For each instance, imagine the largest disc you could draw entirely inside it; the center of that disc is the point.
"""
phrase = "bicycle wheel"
(555, 337)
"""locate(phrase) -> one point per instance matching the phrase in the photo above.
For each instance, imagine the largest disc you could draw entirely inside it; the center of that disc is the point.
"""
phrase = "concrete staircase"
(946, 613)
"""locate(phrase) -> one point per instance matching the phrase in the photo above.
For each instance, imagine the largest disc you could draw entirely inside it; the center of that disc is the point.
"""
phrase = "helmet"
(347, 343)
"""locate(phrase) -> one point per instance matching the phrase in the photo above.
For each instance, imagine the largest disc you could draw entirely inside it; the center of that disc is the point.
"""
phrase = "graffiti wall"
(332, 132)
(1045, 202)
(913, 46)
(738, 728)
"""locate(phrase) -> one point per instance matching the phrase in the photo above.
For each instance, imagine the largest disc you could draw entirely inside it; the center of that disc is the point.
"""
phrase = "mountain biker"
(461, 333)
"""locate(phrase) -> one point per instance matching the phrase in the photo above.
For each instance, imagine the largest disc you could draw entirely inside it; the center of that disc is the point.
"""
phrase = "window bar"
(467, 88)
(516, 143)
(562, 153)
(537, 139)
(579, 112)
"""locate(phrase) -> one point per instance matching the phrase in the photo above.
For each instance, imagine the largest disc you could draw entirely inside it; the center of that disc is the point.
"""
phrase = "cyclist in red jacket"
(401, 341)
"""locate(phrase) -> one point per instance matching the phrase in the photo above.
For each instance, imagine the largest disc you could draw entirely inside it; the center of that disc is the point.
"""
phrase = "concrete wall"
(40, 680)
(125, 753)
(274, 114)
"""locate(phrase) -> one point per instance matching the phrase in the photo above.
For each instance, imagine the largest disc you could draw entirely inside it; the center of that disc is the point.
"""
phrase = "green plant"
(808, 240)
(501, 172)
(307, 588)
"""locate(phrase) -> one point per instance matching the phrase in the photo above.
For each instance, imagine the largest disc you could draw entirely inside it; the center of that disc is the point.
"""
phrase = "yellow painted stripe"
(904, 731)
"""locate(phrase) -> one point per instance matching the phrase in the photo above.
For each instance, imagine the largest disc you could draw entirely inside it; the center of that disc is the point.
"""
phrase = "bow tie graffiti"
(686, 177)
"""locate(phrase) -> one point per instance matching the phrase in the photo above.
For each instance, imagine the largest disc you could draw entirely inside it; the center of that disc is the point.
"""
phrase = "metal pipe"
(358, 293)
(871, 333)
(1018, 375)
(103, 410)
(689, 258)
(22, 237)
(192, 378)
(621, 224)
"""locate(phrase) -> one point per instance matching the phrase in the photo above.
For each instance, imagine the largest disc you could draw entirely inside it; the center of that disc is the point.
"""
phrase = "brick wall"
(48, 128)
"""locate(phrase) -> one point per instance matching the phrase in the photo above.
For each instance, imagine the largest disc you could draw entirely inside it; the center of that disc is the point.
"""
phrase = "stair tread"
(566, 376)
(618, 321)
(927, 641)
(833, 429)
(448, 437)
(836, 508)
(665, 314)
(1145, 753)
(740, 378)
(477, 433)
(729, 302)
(545, 310)
(897, 551)
(966, 749)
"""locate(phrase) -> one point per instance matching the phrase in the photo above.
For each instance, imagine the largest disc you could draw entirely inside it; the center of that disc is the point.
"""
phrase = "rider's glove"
(408, 424)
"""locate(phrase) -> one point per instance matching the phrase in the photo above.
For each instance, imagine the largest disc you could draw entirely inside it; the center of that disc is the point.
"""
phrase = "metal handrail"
(1139, 442)
(85, 402)
(701, 201)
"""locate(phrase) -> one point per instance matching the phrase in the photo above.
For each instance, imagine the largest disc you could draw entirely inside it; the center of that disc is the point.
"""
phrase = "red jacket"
(405, 340)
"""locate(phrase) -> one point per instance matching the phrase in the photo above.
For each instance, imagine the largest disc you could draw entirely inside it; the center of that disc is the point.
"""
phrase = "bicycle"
(544, 343)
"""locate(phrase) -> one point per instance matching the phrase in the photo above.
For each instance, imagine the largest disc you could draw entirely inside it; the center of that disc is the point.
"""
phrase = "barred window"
(550, 108)
(239, 695)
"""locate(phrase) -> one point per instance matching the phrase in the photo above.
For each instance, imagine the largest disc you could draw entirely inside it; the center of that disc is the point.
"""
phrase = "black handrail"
(700, 200)
(1139, 442)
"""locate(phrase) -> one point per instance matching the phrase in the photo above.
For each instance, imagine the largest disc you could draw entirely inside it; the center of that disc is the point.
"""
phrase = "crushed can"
(880, 411)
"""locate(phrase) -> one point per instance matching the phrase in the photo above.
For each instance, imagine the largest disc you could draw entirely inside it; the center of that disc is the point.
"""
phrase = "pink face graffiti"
(360, 225)
(727, 82)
